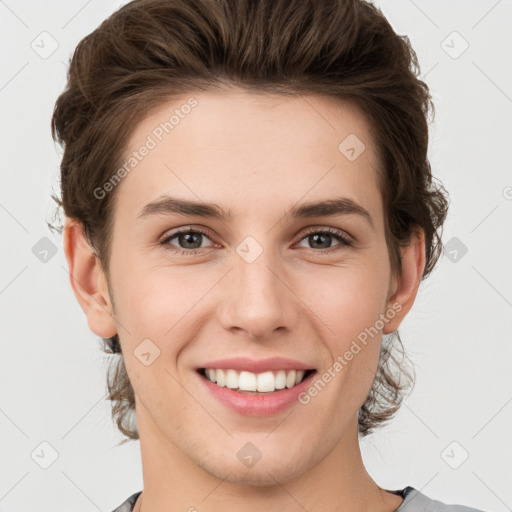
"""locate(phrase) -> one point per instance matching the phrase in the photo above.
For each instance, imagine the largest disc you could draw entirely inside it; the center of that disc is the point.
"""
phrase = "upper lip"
(256, 365)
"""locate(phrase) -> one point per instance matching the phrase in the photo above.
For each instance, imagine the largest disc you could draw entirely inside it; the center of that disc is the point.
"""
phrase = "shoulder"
(415, 501)
(127, 505)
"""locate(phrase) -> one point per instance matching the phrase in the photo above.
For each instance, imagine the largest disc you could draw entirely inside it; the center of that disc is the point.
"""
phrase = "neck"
(339, 482)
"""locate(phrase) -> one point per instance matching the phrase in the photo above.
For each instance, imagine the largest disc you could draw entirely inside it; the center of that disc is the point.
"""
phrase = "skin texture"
(256, 155)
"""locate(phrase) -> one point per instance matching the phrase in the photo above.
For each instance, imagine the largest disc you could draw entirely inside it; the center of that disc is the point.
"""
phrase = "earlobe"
(408, 282)
(88, 280)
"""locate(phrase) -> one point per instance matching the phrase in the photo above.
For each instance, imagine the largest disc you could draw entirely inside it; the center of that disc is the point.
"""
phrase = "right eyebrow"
(168, 204)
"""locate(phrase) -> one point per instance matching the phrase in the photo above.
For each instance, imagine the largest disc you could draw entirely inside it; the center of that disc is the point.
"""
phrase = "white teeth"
(231, 379)
(290, 379)
(247, 381)
(280, 379)
(220, 378)
(265, 382)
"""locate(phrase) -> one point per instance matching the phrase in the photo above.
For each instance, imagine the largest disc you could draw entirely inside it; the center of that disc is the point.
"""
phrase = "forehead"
(251, 148)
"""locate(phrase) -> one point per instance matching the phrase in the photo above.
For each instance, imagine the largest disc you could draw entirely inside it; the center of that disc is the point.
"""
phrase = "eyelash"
(338, 235)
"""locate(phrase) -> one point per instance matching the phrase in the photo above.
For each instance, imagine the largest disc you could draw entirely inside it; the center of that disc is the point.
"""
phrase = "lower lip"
(267, 404)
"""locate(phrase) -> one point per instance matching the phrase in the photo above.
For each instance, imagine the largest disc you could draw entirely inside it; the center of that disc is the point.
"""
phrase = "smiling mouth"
(255, 383)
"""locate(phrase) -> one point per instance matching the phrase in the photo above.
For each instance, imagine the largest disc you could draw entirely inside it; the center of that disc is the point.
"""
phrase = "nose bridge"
(255, 267)
(257, 301)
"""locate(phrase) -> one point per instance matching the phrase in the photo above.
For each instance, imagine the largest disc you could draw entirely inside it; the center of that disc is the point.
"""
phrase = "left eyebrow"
(330, 207)
(327, 208)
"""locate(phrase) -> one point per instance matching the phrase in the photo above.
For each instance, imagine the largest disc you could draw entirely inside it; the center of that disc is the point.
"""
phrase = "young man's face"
(261, 291)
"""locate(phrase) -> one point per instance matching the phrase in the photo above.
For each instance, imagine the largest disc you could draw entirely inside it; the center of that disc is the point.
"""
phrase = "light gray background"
(52, 373)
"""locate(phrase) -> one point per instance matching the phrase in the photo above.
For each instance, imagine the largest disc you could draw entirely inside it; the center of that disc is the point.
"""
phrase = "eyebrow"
(329, 207)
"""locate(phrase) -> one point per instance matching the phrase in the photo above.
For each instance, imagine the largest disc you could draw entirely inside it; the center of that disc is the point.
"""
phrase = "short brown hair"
(150, 51)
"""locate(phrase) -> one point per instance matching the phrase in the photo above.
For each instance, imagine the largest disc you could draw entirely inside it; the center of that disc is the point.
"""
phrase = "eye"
(189, 240)
(321, 239)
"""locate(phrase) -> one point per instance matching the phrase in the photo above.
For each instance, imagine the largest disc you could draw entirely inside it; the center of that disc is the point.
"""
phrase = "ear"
(88, 280)
(407, 283)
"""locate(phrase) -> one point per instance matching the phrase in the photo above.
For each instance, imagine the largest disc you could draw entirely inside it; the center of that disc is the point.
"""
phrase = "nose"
(257, 301)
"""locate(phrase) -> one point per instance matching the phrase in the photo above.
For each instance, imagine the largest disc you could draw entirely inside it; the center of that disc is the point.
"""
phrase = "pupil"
(187, 237)
(317, 236)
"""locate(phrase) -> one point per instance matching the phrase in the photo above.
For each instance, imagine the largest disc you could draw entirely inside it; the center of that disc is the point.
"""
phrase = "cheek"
(350, 302)
(160, 304)
(156, 307)
(350, 305)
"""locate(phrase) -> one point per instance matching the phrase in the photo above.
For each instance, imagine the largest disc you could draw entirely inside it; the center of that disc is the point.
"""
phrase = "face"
(266, 293)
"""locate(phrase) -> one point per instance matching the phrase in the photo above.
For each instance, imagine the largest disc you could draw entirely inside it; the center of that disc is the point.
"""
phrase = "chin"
(260, 475)
(277, 467)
